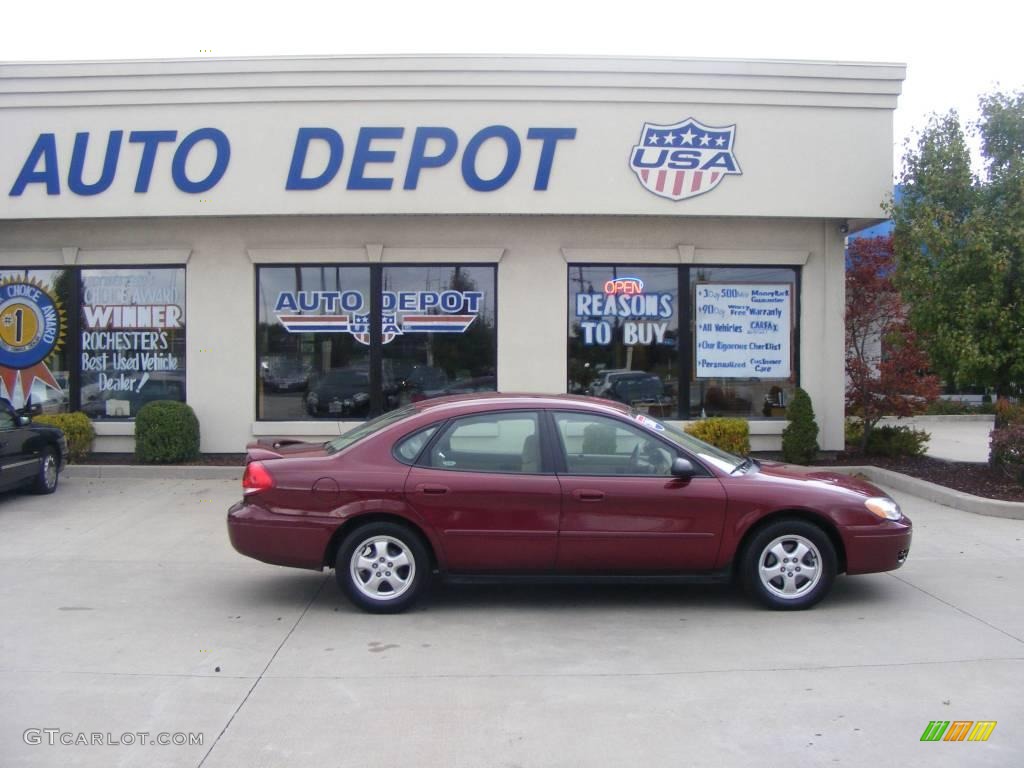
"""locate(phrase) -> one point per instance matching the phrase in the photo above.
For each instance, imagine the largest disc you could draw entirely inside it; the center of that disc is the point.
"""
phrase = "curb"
(143, 472)
(966, 502)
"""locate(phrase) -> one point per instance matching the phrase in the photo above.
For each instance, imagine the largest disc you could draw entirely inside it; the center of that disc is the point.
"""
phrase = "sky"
(954, 51)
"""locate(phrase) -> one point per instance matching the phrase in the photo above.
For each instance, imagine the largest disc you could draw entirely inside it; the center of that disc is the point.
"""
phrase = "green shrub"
(732, 435)
(77, 429)
(166, 432)
(800, 437)
(1006, 450)
(893, 441)
(853, 432)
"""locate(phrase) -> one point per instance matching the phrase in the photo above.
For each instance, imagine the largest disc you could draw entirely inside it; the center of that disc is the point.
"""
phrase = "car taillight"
(256, 478)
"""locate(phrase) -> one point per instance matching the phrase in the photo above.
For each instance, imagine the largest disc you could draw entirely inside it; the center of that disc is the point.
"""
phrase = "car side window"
(493, 442)
(596, 445)
(408, 449)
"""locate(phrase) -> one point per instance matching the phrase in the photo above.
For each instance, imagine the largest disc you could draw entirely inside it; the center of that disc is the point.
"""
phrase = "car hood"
(819, 475)
(268, 448)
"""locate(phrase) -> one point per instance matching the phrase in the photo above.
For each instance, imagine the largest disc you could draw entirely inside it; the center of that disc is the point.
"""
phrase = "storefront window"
(624, 335)
(312, 343)
(744, 351)
(132, 325)
(438, 334)
(34, 360)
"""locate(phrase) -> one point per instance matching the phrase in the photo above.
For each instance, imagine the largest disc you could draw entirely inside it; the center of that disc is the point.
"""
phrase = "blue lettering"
(337, 150)
(684, 159)
(285, 301)
(220, 165)
(364, 155)
(149, 140)
(45, 149)
(640, 161)
(75, 183)
(721, 160)
(513, 150)
(550, 138)
(419, 159)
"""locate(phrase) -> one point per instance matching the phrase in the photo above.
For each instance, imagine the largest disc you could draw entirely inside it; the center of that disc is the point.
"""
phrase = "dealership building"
(293, 245)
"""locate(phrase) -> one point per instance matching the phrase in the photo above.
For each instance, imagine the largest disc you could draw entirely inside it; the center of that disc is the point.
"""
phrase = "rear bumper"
(878, 548)
(279, 540)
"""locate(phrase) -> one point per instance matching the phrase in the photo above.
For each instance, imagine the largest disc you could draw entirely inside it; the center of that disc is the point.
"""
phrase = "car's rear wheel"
(789, 565)
(47, 476)
(382, 567)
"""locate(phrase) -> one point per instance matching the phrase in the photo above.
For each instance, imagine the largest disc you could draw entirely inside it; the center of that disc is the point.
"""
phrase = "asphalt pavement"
(125, 610)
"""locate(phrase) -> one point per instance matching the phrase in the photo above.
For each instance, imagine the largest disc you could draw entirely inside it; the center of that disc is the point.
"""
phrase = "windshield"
(374, 425)
(705, 452)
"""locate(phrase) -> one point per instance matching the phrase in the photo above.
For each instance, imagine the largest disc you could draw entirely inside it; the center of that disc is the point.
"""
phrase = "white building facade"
(295, 245)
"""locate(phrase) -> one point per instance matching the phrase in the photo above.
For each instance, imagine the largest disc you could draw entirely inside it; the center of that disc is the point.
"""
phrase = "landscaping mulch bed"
(976, 479)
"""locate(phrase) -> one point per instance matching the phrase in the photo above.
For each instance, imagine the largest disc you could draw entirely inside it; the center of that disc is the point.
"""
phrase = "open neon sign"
(627, 286)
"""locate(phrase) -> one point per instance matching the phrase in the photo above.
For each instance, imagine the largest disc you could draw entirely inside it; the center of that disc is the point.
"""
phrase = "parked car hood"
(794, 472)
(268, 448)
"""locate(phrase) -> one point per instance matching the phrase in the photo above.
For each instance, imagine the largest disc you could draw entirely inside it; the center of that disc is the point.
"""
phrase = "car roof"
(484, 401)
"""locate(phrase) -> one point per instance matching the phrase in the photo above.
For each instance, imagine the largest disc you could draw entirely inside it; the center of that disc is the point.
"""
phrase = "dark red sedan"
(488, 486)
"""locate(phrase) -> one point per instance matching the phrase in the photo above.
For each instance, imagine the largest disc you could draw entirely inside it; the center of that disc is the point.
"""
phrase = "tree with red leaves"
(886, 369)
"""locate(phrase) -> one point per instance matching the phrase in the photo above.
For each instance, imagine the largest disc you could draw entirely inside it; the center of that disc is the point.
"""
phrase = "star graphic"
(652, 138)
(705, 140)
(720, 141)
(688, 136)
(670, 138)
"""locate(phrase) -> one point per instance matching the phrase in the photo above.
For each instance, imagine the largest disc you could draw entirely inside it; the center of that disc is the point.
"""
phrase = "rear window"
(367, 429)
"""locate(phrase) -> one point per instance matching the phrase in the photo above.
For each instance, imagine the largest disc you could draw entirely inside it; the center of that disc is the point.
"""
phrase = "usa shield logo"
(685, 159)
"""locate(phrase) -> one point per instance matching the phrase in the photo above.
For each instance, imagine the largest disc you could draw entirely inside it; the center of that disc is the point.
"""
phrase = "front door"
(17, 464)
(622, 510)
(485, 488)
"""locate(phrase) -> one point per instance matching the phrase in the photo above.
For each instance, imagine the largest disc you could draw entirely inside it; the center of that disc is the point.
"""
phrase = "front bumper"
(258, 533)
(878, 548)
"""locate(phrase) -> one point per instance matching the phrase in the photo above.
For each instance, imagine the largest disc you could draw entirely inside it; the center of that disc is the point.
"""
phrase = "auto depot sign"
(417, 158)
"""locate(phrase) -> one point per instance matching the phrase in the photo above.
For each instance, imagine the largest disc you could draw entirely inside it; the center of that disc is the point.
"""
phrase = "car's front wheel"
(46, 478)
(789, 565)
(382, 567)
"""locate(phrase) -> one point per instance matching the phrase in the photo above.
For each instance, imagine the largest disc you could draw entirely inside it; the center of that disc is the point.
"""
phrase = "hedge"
(166, 432)
(77, 429)
(732, 435)
(800, 437)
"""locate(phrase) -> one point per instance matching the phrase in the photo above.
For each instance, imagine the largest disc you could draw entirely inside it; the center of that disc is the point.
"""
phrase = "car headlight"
(884, 507)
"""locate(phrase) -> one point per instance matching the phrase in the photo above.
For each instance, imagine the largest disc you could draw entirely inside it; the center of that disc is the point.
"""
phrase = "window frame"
(376, 345)
(561, 456)
(547, 462)
(73, 331)
(685, 361)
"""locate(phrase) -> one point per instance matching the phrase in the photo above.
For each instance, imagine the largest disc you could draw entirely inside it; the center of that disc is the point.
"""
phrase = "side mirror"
(683, 468)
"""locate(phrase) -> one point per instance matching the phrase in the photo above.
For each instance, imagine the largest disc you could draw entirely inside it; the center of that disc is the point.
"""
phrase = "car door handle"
(583, 494)
(433, 490)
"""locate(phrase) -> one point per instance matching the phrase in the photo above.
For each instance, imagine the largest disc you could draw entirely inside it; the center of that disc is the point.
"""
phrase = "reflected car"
(31, 455)
(285, 376)
(339, 393)
(460, 387)
(555, 488)
(643, 391)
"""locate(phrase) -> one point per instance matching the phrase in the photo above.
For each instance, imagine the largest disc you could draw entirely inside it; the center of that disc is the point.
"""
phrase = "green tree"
(959, 245)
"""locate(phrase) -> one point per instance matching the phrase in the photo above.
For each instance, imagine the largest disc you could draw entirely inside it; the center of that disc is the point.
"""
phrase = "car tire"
(788, 565)
(48, 474)
(382, 567)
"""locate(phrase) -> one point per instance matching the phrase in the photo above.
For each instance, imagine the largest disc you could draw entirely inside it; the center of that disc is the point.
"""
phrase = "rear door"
(485, 485)
(622, 510)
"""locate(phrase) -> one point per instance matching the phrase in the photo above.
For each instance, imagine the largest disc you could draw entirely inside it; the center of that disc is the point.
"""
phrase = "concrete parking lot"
(125, 610)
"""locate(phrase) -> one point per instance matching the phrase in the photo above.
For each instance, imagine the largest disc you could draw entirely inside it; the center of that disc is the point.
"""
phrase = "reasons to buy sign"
(744, 330)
